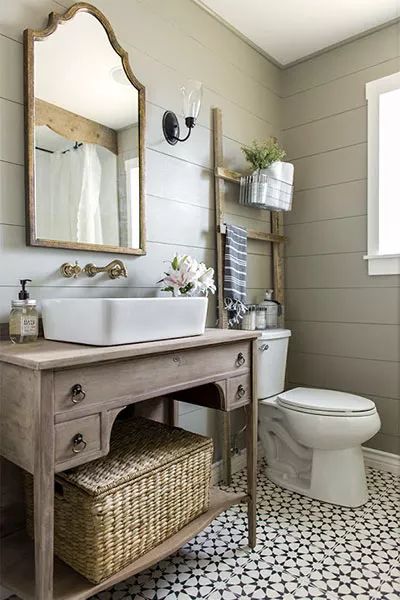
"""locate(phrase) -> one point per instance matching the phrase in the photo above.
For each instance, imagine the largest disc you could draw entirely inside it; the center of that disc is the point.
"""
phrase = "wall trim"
(383, 461)
(238, 34)
(277, 63)
(344, 42)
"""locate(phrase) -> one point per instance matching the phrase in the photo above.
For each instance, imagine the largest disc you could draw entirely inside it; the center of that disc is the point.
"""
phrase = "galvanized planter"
(269, 189)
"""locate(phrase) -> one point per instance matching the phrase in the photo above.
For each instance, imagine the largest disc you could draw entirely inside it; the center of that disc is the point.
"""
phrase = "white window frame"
(378, 263)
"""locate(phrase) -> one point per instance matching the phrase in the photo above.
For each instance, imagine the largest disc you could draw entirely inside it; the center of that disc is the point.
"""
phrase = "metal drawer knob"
(240, 391)
(264, 347)
(240, 360)
(78, 443)
(77, 394)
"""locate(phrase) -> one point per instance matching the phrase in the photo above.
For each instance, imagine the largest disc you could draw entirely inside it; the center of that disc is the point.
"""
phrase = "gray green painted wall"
(346, 325)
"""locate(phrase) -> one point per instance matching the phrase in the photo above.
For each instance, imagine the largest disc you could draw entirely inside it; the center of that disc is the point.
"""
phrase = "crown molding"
(349, 40)
(240, 35)
(274, 61)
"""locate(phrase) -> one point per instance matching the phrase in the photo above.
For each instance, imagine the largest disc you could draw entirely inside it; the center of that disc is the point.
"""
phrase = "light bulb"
(192, 93)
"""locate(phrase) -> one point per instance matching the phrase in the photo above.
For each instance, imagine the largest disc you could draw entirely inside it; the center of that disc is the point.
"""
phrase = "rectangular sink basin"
(113, 321)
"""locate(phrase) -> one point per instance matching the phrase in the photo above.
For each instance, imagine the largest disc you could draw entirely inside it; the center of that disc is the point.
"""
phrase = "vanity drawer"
(77, 439)
(238, 391)
(147, 377)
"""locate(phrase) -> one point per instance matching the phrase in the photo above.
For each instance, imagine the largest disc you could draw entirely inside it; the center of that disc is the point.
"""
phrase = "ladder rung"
(228, 175)
(252, 234)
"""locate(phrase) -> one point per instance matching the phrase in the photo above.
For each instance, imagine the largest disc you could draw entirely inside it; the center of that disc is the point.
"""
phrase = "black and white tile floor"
(306, 549)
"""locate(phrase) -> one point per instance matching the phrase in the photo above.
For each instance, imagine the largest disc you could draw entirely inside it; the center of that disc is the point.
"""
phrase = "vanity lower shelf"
(18, 557)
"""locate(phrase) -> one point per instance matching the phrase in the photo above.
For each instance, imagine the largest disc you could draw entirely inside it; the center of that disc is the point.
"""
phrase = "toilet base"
(337, 476)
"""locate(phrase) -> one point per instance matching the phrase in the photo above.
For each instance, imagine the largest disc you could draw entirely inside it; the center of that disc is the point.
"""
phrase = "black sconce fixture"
(192, 94)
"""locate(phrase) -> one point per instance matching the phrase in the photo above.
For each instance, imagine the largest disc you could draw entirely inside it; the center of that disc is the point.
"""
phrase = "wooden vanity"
(58, 404)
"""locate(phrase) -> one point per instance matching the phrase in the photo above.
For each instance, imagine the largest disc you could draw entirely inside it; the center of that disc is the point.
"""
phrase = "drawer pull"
(79, 443)
(77, 394)
(240, 360)
(240, 391)
(264, 347)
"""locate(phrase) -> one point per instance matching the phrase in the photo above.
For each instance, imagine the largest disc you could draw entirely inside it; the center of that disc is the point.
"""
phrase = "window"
(383, 97)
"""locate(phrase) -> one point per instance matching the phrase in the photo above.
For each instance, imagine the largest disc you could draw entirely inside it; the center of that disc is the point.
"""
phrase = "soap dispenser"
(24, 318)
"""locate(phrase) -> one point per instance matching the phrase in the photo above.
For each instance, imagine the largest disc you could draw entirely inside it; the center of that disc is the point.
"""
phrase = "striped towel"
(235, 270)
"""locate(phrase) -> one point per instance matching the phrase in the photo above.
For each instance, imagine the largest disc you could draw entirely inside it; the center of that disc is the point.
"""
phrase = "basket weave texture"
(109, 512)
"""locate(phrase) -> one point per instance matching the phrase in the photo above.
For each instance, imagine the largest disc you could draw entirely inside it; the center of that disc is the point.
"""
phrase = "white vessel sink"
(113, 321)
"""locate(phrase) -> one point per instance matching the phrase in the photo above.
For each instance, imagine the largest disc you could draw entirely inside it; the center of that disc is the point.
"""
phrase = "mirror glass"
(88, 144)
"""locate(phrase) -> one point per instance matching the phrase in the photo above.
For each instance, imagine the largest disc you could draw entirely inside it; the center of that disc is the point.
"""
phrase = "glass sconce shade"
(192, 93)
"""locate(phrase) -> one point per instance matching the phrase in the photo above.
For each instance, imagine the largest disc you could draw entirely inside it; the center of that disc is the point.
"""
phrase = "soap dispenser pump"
(24, 318)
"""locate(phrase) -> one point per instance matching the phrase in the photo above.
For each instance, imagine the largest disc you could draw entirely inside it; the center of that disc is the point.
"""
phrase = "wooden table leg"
(173, 415)
(226, 450)
(44, 490)
(252, 427)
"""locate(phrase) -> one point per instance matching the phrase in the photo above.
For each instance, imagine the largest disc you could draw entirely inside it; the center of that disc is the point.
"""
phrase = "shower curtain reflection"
(88, 214)
(71, 187)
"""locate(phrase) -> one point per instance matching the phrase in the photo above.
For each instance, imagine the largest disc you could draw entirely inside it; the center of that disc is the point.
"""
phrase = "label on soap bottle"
(29, 326)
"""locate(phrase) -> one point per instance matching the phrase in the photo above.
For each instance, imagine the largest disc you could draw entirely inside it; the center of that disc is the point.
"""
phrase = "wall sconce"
(192, 94)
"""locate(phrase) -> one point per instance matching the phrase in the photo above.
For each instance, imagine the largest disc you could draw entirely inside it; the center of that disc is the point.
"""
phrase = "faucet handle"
(90, 270)
(68, 270)
(118, 270)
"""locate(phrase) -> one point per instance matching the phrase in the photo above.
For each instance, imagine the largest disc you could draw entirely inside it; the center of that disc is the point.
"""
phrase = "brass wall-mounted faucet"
(115, 269)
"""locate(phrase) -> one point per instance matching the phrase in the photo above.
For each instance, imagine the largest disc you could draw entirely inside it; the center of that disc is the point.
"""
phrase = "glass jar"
(24, 321)
(272, 311)
(249, 318)
(261, 322)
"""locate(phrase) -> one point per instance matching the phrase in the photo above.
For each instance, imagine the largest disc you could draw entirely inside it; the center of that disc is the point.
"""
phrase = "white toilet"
(311, 437)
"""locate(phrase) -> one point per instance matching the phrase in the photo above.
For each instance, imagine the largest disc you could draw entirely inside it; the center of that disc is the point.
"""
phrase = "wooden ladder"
(276, 237)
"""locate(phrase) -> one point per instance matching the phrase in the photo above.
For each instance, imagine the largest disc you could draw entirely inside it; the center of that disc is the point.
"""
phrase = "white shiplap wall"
(167, 42)
(346, 324)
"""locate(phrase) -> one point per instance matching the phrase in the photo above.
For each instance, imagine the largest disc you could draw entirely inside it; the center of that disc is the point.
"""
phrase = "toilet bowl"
(311, 437)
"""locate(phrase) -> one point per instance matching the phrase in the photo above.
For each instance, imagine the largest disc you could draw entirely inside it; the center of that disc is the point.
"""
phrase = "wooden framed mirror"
(85, 137)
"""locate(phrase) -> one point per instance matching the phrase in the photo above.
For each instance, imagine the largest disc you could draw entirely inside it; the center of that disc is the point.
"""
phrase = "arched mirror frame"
(30, 36)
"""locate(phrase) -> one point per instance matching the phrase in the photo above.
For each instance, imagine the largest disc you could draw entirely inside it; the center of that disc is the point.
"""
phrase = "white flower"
(188, 277)
(206, 280)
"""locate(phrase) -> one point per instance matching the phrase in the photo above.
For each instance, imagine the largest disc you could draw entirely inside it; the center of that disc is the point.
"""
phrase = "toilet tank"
(272, 354)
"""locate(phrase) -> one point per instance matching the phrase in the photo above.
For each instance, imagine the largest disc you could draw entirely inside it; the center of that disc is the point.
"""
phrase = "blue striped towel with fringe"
(235, 273)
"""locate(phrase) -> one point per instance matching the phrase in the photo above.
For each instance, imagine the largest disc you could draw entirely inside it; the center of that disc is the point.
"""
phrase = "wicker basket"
(111, 511)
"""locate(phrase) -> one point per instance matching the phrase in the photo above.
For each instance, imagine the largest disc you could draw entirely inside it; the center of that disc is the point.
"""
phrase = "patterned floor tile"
(223, 594)
(306, 549)
(355, 571)
(182, 578)
(260, 579)
(227, 537)
(308, 591)
(390, 588)
(382, 535)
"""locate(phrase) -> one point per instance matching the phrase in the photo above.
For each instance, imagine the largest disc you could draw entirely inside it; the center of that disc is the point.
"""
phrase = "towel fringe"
(237, 308)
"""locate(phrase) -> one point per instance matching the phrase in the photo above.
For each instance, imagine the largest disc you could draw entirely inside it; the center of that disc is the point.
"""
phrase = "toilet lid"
(326, 401)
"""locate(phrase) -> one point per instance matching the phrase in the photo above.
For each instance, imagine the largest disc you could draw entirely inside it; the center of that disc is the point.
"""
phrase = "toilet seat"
(326, 402)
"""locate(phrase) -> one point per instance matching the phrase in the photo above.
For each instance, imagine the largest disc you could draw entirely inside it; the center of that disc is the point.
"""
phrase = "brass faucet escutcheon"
(115, 269)
(68, 270)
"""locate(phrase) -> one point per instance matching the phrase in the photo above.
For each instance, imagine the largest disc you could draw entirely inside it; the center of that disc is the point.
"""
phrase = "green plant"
(262, 154)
